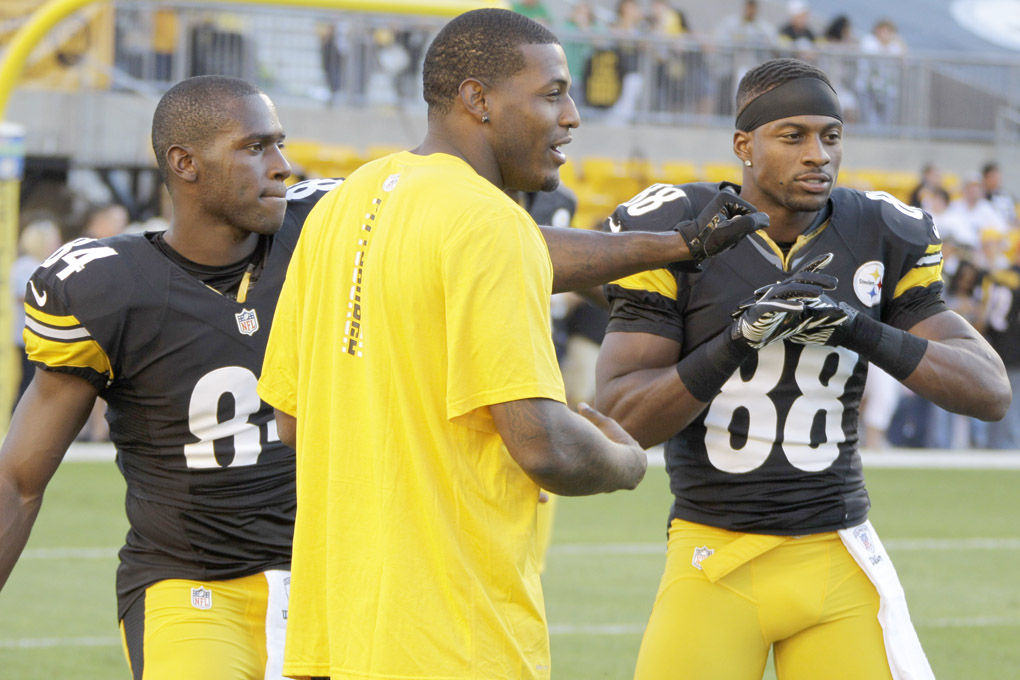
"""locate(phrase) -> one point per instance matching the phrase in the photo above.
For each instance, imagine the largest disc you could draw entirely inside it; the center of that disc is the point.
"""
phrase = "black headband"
(805, 96)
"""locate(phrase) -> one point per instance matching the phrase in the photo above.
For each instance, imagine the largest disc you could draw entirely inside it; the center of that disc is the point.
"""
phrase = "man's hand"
(635, 454)
(720, 225)
(784, 309)
(609, 427)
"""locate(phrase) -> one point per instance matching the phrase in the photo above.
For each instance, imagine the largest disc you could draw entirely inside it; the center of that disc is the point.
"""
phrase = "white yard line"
(46, 643)
(69, 554)
(887, 458)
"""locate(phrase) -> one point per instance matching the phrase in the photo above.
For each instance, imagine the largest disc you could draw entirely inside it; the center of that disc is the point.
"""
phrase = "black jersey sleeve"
(647, 302)
(913, 263)
(73, 309)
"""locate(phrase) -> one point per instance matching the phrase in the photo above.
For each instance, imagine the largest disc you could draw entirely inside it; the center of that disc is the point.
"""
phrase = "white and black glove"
(720, 225)
(776, 311)
(786, 308)
(826, 322)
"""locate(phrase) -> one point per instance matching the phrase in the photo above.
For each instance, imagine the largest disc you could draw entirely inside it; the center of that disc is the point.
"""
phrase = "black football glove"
(781, 310)
(720, 225)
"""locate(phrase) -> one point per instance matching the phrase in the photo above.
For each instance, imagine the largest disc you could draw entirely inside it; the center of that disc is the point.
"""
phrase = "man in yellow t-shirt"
(411, 364)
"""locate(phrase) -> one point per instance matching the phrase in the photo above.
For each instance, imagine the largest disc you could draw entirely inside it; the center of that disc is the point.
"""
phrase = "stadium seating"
(601, 182)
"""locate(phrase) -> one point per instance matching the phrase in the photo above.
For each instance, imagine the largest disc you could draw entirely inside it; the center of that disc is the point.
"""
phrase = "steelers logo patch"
(868, 282)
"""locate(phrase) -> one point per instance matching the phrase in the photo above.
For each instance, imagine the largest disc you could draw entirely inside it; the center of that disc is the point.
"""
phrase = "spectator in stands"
(796, 33)
(928, 189)
(746, 27)
(1003, 332)
(390, 60)
(218, 45)
(952, 251)
(963, 295)
(681, 75)
(628, 27)
(993, 249)
(39, 238)
(533, 9)
(840, 43)
(332, 55)
(751, 38)
(579, 50)
(1004, 204)
(105, 220)
(609, 67)
(971, 214)
(879, 74)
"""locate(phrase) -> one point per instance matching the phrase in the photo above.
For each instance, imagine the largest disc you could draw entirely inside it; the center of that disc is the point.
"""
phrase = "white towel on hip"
(276, 621)
(906, 658)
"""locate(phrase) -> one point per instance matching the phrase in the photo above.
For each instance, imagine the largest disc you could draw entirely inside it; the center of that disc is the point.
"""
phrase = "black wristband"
(894, 351)
(705, 370)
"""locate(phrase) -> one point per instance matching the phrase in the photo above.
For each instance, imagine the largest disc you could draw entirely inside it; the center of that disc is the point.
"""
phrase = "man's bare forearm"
(584, 258)
(566, 453)
(17, 515)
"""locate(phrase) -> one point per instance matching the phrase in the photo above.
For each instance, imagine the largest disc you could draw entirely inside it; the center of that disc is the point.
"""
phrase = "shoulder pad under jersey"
(303, 196)
(880, 215)
(660, 207)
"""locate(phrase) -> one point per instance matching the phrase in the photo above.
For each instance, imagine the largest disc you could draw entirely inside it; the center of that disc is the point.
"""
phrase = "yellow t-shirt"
(418, 296)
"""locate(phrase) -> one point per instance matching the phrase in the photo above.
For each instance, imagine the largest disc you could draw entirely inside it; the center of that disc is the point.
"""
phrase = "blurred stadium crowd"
(632, 62)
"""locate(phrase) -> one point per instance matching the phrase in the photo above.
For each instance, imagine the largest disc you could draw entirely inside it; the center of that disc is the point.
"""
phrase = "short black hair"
(483, 44)
(772, 74)
(192, 112)
(988, 167)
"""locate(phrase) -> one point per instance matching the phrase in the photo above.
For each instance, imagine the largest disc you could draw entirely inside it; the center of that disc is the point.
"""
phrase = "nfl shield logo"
(700, 553)
(201, 598)
(862, 535)
(247, 322)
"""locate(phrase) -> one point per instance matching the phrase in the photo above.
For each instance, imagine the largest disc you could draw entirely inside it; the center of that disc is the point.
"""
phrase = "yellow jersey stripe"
(659, 281)
(50, 319)
(82, 354)
(919, 277)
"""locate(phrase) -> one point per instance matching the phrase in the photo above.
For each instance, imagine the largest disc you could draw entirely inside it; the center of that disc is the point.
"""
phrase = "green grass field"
(953, 534)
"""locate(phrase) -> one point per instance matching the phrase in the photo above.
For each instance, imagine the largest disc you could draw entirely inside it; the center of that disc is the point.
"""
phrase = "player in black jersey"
(751, 369)
(170, 329)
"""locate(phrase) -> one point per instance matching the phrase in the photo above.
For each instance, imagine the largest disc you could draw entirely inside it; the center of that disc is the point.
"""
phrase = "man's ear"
(181, 163)
(742, 145)
(472, 93)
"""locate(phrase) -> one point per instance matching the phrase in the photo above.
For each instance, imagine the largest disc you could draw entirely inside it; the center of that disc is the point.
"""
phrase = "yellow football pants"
(200, 630)
(805, 596)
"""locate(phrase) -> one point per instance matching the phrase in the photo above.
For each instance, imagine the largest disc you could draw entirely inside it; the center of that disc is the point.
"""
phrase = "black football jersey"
(210, 486)
(776, 450)
(555, 208)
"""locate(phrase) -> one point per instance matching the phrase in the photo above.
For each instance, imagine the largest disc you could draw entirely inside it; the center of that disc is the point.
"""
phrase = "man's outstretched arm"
(584, 258)
(49, 416)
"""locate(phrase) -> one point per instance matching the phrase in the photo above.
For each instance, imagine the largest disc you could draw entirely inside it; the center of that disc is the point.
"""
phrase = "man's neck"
(210, 245)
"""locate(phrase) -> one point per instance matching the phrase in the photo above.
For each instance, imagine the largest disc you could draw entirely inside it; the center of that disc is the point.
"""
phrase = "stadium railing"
(318, 57)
